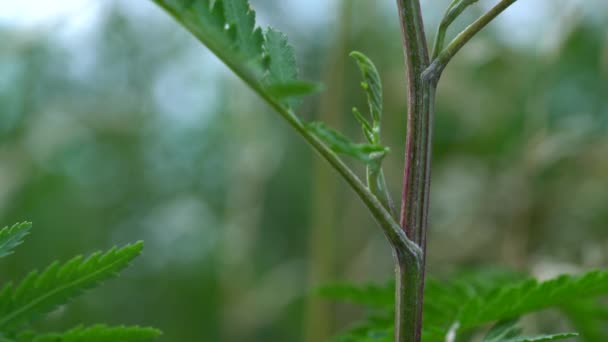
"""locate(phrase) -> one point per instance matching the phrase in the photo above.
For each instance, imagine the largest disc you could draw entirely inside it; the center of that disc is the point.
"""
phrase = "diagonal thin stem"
(436, 68)
(398, 239)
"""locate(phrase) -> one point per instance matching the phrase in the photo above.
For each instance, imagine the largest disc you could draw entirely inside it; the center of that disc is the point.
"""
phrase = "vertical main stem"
(407, 301)
(416, 177)
(417, 59)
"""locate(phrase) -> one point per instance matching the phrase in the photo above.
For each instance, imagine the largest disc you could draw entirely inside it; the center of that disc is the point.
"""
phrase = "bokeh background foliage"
(116, 125)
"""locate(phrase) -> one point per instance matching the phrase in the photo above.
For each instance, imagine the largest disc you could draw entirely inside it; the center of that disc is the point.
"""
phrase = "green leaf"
(293, 89)
(281, 78)
(588, 318)
(96, 333)
(370, 154)
(206, 20)
(529, 296)
(281, 58)
(12, 237)
(444, 300)
(508, 331)
(265, 61)
(240, 20)
(513, 299)
(227, 27)
(372, 85)
(367, 128)
(475, 299)
(40, 293)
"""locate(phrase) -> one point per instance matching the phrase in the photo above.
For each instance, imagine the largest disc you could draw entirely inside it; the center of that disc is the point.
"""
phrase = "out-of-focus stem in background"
(318, 319)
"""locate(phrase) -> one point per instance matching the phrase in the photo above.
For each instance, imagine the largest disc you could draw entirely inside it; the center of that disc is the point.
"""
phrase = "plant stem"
(453, 11)
(439, 63)
(416, 178)
(408, 286)
(422, 82)
(391, 229)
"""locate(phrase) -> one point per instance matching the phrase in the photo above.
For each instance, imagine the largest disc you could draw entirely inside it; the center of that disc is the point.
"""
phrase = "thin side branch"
(452, 12)
(433, 72)
(412, 254)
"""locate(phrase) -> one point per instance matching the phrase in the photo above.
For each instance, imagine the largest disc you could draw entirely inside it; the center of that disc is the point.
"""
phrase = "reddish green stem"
(416, 178)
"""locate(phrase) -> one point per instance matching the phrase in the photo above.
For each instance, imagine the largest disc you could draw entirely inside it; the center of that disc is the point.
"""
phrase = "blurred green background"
(116, 125)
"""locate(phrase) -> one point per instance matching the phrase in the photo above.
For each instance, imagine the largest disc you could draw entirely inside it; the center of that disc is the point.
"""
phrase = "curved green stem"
(391, 229)
(452, 12)
(433, 72)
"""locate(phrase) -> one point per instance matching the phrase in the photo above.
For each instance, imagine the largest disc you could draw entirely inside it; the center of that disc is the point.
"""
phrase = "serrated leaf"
(240, 18)
(40, 293)
(206, 20)
(530, 295)
(372, 85)
(264, 60)
(541, 338)
(370, 154)
(96, 333)
(475, 300)
(513, 299)
(443, 300)
(508, 331)
(11, 237)
(282, 71)
(588, 318)
(281, 57)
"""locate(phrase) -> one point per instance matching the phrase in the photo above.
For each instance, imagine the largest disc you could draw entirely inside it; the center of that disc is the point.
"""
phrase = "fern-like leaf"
(370, 154)
(240, 19)
(508, 331)
(472, 301)
(588, 318)
(530, 296)
(372, 86)
(281, 66)
(11, 237)
(96, 333)
(264, 60)
(40, 293)
(472, 307)
(281, 58)
(293, 89)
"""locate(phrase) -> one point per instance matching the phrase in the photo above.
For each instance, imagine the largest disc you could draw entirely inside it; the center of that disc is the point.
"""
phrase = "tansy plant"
(41, 292)
(265, 61)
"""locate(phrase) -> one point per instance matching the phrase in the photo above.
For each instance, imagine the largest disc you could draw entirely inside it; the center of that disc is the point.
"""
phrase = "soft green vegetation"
(507, 331)
(40, 293)
(469, 302)
(127, 128)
